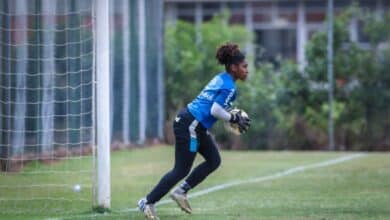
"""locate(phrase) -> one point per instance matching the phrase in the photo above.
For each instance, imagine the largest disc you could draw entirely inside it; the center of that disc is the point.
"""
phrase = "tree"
(362, 85)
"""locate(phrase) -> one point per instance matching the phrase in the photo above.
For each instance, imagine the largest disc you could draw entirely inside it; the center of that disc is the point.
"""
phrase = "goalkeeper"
(191, 132)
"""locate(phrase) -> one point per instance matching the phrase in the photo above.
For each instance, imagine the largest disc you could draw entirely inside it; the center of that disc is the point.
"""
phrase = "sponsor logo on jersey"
(227, 101)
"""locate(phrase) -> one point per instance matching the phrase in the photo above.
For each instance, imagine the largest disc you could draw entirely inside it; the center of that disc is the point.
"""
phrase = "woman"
(191, 132)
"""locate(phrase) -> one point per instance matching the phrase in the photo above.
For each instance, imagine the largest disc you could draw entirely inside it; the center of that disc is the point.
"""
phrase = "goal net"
(46, 112)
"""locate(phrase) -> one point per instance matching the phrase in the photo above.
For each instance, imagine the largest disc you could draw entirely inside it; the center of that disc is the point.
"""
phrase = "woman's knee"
(215, 162)
(181, 172)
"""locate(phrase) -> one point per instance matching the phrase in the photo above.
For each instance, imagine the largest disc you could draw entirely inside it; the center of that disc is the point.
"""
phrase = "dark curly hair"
(228, 54)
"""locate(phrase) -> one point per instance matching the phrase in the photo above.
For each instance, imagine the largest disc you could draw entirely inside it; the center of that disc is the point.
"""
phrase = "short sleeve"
(224, 97)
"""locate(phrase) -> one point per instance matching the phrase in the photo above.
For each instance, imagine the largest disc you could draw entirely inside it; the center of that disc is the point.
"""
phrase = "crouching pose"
(191, 132)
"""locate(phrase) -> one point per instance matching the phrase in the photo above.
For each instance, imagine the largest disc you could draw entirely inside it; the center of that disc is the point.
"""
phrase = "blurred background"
(162, 54)
(288, 87)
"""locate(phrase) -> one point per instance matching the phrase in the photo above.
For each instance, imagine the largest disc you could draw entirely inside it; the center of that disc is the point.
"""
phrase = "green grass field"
(354, 189)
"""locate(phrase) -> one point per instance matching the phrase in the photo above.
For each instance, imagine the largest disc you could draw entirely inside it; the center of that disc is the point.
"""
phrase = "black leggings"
(191, 137)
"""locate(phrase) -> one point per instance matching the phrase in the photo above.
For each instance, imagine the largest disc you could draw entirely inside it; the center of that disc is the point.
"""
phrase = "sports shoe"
(148, 209)
(180, 197)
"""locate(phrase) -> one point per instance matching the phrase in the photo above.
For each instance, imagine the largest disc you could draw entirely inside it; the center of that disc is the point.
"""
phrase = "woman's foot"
(148, 209)
(180, 197)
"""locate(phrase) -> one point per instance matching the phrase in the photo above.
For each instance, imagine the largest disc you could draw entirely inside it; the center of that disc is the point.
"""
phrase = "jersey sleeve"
(224, 97)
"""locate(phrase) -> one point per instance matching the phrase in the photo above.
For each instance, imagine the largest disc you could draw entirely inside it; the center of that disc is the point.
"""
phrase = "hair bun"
(227, 53)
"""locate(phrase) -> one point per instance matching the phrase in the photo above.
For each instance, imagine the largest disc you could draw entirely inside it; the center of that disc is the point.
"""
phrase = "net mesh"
(46, 114)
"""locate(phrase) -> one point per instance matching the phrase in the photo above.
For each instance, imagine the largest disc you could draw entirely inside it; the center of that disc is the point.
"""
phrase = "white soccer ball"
(77, 188)
(231, 127)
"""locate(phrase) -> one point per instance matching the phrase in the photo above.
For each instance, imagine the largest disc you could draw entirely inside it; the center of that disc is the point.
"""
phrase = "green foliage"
(183, 63)
(291, 108)
(258, 96)
(361, 86)
(376, 29)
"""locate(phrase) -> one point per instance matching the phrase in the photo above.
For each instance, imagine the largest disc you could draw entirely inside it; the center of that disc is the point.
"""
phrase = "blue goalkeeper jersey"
(222, 90)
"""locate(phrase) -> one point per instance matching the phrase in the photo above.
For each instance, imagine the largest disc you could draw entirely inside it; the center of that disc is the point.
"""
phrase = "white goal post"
(102, 68)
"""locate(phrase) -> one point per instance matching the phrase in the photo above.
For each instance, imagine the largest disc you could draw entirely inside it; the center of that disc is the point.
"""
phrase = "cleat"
(148, 209)
(180, 198)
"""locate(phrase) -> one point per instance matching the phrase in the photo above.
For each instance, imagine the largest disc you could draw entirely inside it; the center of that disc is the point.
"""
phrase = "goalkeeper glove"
(242, 122)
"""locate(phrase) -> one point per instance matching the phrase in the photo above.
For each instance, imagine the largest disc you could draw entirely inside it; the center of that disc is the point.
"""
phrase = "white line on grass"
(236, 183)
